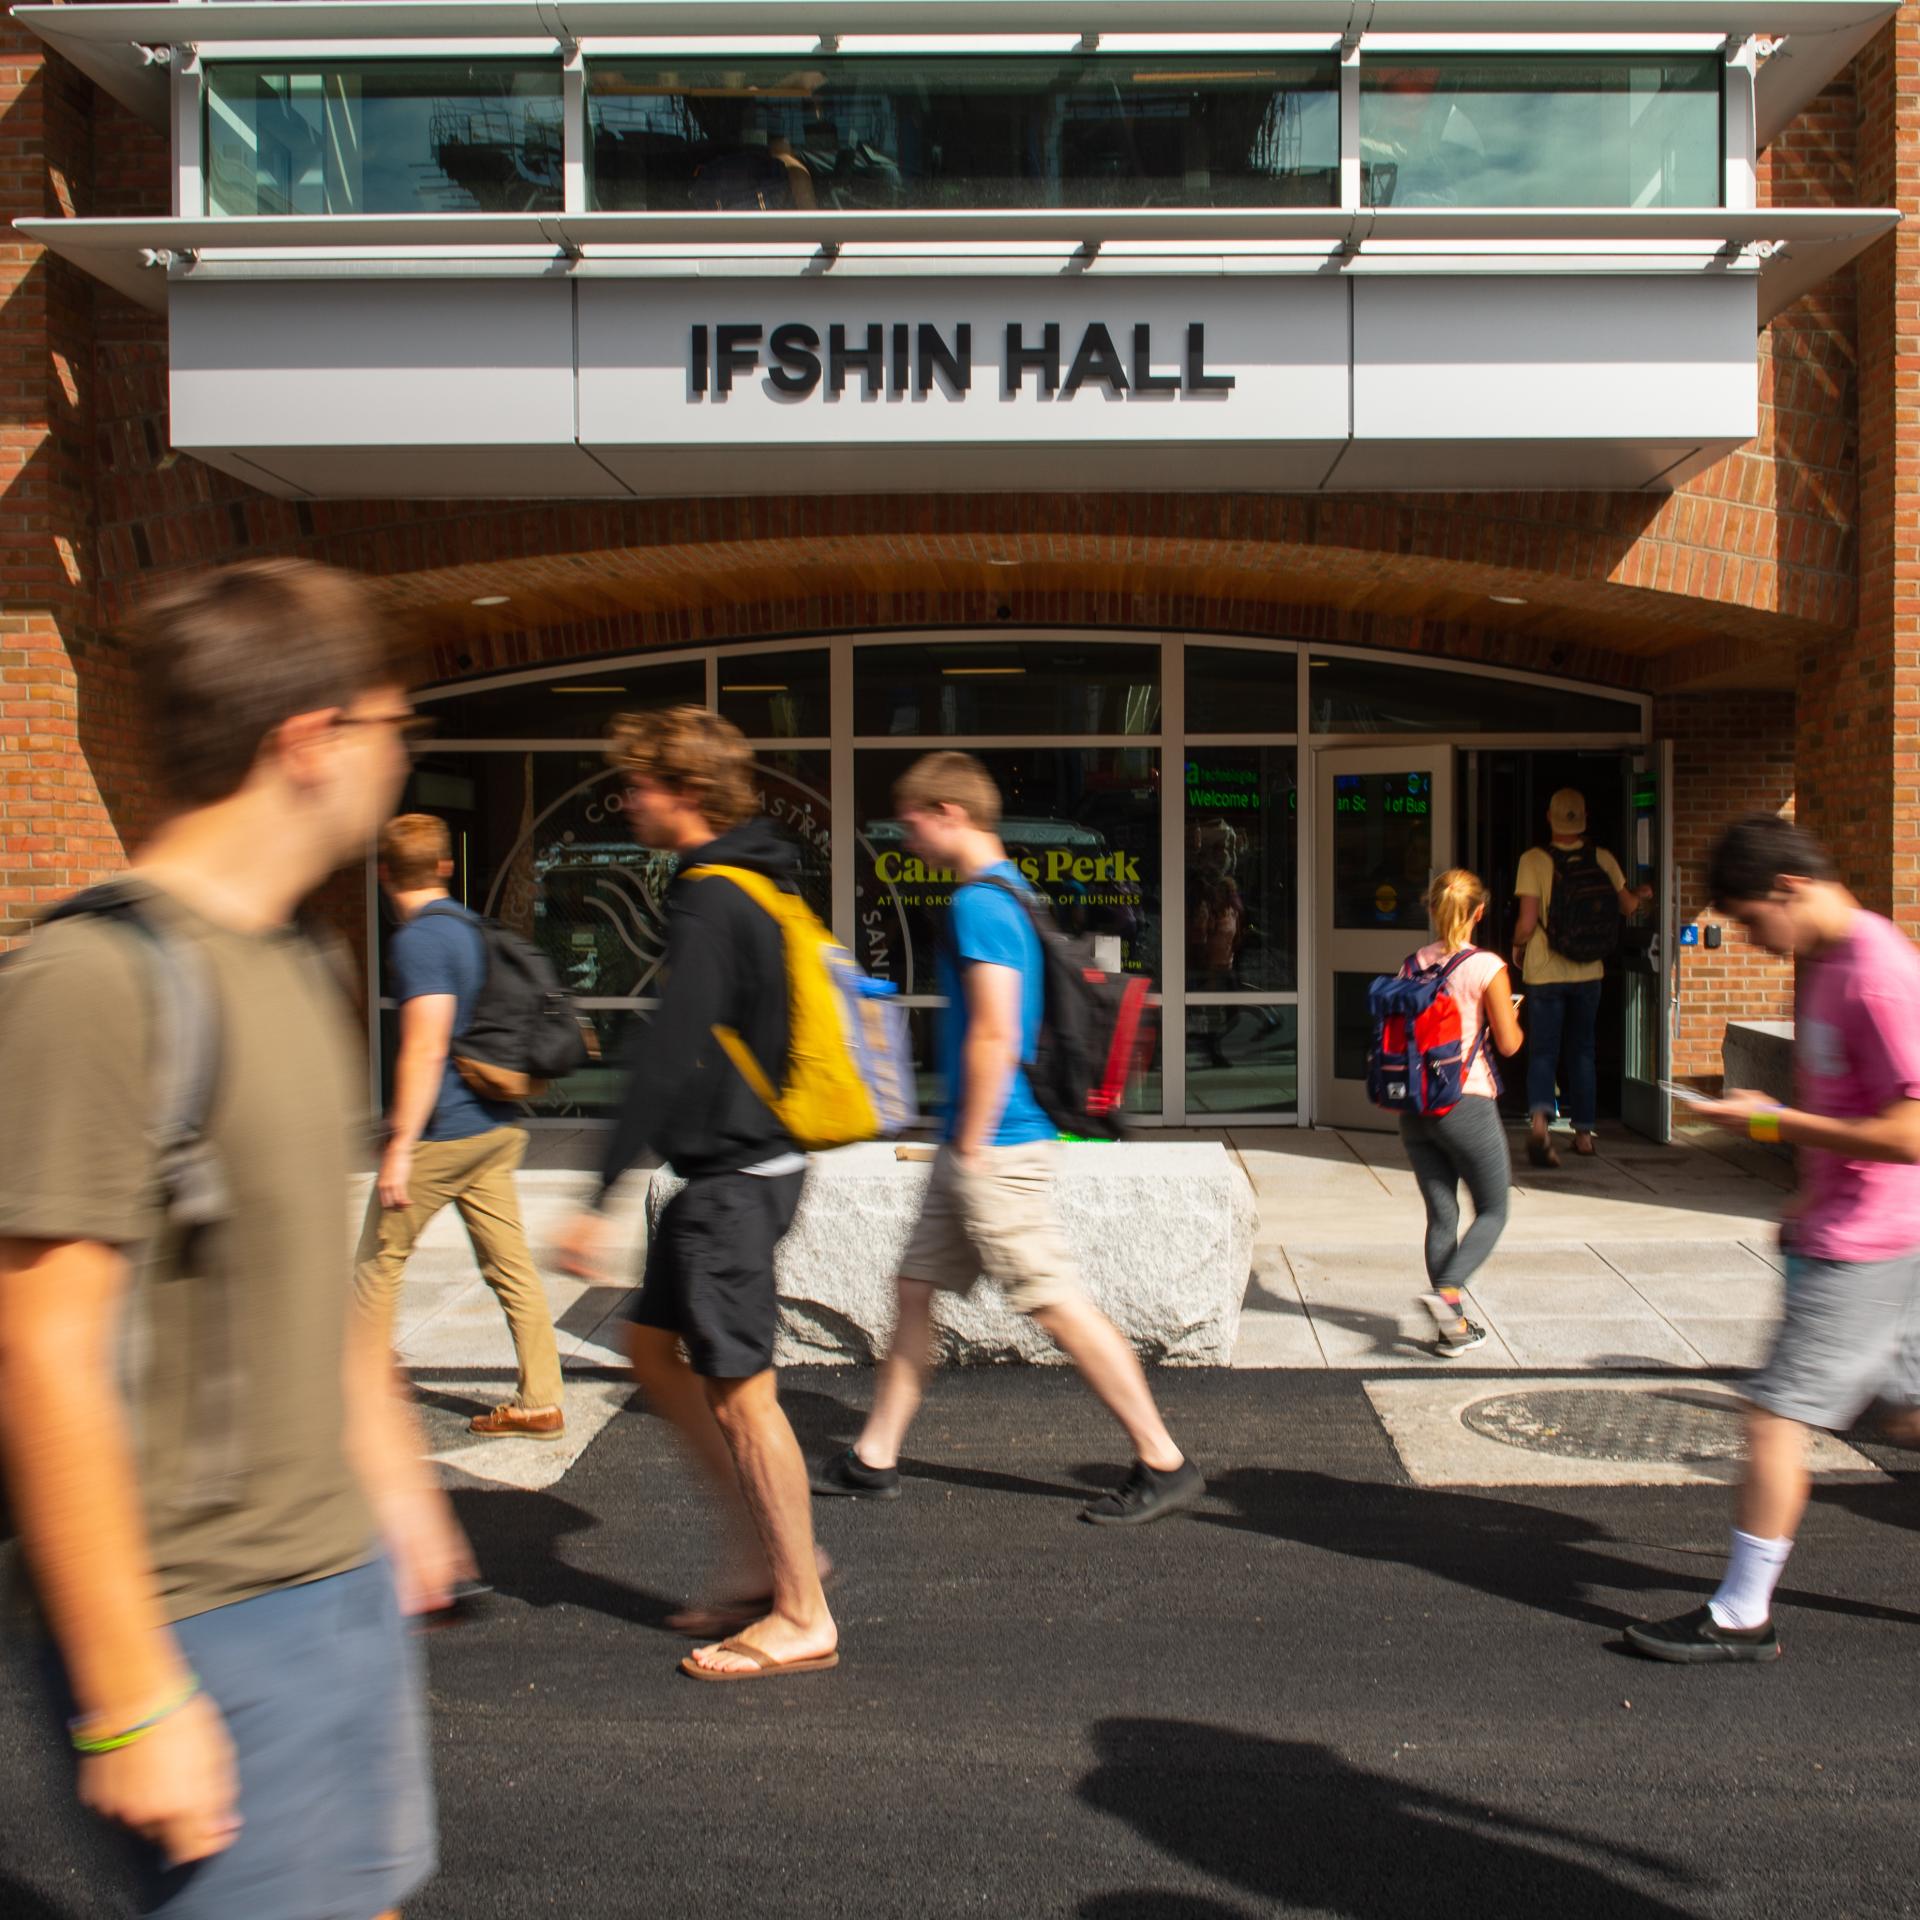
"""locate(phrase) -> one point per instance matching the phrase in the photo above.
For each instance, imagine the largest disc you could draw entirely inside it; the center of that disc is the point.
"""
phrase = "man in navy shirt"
(445, 1143)
(989, 1205)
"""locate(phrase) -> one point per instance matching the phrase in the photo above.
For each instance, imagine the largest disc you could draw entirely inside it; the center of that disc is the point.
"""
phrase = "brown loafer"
(512, 1422)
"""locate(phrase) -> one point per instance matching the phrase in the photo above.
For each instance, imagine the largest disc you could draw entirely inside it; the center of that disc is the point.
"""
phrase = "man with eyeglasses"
(213, 1474)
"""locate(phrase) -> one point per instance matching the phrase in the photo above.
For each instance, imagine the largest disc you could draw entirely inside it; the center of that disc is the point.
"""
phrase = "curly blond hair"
(699, 755)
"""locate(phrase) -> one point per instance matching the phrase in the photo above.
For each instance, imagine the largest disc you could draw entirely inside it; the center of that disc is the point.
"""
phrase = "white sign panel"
(722, 363)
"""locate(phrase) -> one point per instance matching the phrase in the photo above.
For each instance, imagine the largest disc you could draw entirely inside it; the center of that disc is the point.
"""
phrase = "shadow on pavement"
(1292, 1823)
(516, 1540)
(18, 1901)
(1533, 1556)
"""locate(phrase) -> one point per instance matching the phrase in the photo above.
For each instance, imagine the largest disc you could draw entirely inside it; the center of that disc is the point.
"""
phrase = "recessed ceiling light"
(961, 673)
(491, 600)
(765, 686)
(1003, 560)
(1506, 600)
(576, 688)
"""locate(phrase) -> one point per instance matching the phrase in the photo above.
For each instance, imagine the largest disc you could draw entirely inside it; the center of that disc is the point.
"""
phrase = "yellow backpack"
(849, 1063)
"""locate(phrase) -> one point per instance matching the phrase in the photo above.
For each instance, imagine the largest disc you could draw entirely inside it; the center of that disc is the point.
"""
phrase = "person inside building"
(1573, 901)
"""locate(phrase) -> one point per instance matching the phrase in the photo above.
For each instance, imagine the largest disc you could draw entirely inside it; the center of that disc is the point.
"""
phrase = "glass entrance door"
(1384, 829)
(1646, 949)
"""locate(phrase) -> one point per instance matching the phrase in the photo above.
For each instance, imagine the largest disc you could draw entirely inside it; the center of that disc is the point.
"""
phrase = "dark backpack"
(522, 1030)
(1417, 1064)
(1093, 1029)
(1583, 910)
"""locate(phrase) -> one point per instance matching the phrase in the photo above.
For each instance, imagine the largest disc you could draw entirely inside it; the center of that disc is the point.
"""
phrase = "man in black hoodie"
(709, 1272)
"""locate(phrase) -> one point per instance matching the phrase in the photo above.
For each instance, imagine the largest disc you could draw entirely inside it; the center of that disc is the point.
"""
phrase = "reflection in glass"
(776, 696)
(1083, 824)
(1541, 130)
(580, 706)
(962, 687)
(1030, 130)
(1382, 830)
(1247, 1063)
(1242, 690)
(383, 136)
(1382, 696)
(1242, 837)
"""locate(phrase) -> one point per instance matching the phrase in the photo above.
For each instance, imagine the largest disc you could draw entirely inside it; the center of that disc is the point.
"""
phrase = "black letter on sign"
(736, 350)
(870, 359)
(1096, 360)
(796, 348)
(1199, 380)
(1043, 359)
(1145, 380)
(955, 362)
(697, 363)
(897, 373)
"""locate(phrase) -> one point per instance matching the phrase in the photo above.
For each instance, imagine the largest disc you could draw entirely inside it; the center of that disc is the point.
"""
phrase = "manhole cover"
(1600, 1423)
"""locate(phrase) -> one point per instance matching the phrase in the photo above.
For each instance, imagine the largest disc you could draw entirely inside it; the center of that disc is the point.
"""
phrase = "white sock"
(1745, 1594)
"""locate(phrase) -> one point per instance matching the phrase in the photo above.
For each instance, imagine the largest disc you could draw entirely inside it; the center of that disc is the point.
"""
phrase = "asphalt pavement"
(1327, 1692)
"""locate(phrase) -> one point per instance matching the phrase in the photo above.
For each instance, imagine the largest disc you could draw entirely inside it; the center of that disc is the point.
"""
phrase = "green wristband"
(113, 1742)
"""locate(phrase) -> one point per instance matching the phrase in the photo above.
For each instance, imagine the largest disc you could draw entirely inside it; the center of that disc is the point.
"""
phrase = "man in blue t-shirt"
(989, 1205)
(446, 1144)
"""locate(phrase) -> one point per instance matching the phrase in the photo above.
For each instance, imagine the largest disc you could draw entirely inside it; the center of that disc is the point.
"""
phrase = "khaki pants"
(476, 1175)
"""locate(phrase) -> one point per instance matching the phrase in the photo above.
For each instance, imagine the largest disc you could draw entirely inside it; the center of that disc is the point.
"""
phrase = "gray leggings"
(1467, 1143)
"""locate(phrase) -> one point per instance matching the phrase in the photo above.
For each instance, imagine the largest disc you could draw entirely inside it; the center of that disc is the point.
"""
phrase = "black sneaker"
(847, 1475)
(1451, 1345)
(1697, 1637)
(1147, 1494)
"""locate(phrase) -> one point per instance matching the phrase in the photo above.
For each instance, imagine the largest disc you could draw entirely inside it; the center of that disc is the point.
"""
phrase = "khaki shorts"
(994, 1218)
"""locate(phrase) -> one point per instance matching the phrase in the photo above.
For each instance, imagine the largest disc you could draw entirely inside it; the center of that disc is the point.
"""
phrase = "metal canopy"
(108, 42)
(1797, 246)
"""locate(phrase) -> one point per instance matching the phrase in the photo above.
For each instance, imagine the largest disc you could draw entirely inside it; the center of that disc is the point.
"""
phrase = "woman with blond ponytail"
(1467, 1142)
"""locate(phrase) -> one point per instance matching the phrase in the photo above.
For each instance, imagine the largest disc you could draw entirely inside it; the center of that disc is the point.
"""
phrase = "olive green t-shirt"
(233, 1343)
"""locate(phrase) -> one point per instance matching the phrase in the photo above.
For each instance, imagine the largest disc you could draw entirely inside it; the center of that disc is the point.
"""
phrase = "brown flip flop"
(765, 1666)
(729, 1616)
(1541, 1153)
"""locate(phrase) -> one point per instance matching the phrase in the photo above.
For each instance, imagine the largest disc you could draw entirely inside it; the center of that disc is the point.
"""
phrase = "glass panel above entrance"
(1386, 695)
(1541, 130)
(579, 708)
(1073, 130)
(1242, 690)
(383, 136)
(961, 687)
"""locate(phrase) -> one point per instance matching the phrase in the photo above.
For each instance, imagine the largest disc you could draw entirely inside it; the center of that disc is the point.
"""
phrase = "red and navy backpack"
(1416, 1065)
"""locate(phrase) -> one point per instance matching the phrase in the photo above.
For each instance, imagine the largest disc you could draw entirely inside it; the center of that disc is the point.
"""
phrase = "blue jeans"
(1561, 1022)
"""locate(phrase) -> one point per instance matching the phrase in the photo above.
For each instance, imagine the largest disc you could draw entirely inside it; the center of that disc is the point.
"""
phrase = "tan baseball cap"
(1567, 811)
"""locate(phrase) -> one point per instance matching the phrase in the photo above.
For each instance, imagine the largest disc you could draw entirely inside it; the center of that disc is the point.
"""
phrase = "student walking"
(1466, 1144)
(446, 1144)
(1572, 901)
(1851, 1326)
(224, 1542)
(709, 1280)
(989, 1204)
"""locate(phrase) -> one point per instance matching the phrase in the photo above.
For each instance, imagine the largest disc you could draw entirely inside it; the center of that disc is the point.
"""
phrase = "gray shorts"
(1851, 1335)
(322, 1690)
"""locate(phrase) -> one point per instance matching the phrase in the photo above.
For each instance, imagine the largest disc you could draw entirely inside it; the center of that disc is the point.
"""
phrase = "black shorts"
(709, 1275)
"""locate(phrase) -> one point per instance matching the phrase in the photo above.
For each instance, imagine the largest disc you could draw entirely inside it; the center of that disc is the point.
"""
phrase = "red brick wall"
(1733, 753)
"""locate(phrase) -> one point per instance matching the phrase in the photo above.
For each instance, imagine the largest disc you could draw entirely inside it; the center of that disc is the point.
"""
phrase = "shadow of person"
(1294, 1824)
(516, 1538)
(1532, 1556)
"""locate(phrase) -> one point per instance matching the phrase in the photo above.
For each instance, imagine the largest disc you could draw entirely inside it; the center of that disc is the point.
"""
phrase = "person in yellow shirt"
(1573, 900)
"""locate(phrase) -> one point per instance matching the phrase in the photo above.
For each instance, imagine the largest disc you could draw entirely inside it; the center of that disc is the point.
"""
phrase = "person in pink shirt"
(1851, 1328)
(1467, 1143)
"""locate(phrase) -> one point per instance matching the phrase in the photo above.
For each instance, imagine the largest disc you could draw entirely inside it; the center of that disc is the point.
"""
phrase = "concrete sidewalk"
(1645, 1257)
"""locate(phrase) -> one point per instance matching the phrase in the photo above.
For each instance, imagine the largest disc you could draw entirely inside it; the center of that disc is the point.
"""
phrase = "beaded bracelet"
(1764, 1126)
(113, 1742)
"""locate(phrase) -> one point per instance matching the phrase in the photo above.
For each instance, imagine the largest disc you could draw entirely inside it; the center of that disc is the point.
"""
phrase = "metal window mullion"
(573, 133)
(1740, 187)
(1306, 968)
(1350, 172)
(840, 800)
(189, 106)
(1173, 853)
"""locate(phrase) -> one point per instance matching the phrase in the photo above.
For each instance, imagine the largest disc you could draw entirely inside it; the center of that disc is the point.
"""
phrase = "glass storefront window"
(960, 687)
(1382, 832)
(776, 696)
(581, 707)
(1541, 130)
(1385, 696)
(1242, 690)
(1242, 841)
(383, 136)
(1025, 130)
(1243, 1059)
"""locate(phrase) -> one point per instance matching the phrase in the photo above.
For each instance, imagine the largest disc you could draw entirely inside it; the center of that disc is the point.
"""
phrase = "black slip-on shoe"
(1147, 1494)
(1697, 1637)
(849, 1477)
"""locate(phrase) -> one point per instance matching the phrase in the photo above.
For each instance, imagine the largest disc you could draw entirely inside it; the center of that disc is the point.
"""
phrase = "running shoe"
(1450, 1346)
(1147, 1494)
(849, 1477)
(1697, 1637)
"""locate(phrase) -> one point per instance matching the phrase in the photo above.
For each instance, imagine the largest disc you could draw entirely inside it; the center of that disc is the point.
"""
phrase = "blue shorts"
(322, 1689)
(1850, 1335)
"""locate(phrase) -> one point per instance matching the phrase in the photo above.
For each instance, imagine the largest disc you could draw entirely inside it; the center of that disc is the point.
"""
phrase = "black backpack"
(523, 1030)
(1583, 910)
(1093, 1031)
